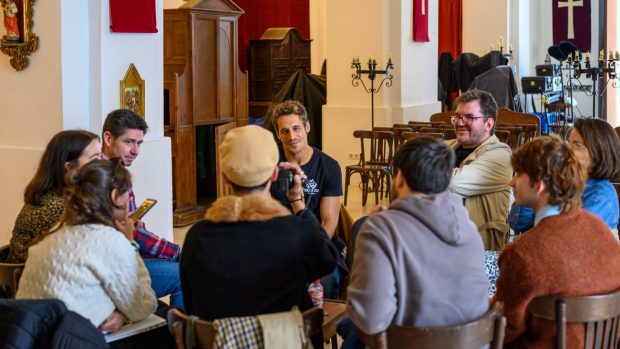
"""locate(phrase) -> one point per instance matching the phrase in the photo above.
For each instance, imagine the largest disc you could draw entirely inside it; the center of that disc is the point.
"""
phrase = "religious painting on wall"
(17, 39)
(571, 21)
(132, 91)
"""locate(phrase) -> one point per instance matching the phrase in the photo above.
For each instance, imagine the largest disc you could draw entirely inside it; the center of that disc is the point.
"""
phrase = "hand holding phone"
(142, 209)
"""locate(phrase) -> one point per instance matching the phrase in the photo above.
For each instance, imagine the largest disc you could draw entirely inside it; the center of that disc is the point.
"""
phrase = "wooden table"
(336, 311)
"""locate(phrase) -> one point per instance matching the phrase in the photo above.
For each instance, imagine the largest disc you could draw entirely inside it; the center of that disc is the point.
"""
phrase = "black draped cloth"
(311, 91)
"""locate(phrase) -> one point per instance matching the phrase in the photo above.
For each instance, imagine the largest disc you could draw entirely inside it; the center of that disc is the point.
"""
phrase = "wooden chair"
(506, 116)
(617, 131)
(442, 117)
(503, 135)
(516, 135)
(405, 136)
(600, 315)
(448, 133)
(204, 332)
(374, 166)
(401, 126)
(10, 274)
(488, 329)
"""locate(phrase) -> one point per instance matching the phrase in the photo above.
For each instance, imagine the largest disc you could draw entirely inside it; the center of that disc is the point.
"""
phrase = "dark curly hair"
(88, 194)
(551, 160)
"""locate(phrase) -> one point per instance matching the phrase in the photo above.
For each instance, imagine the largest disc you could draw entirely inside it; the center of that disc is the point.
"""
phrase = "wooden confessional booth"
(205, 95)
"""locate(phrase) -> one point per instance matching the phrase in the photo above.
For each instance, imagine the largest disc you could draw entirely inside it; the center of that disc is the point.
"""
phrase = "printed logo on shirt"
(311, 187)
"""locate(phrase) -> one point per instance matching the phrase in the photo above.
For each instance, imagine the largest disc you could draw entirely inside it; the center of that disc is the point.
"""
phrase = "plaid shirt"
(151, 245)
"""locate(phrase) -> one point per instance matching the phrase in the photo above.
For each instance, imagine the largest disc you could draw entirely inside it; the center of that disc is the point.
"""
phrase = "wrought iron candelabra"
(372, 73)
(606, 68)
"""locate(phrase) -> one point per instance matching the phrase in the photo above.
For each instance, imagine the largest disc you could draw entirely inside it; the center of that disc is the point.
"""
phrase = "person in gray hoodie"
(420, 261)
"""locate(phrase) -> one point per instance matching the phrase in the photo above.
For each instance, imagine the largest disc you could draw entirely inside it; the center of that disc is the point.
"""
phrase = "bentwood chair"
(374, 166)
(203, 333)
(600, 315)
(489, 329)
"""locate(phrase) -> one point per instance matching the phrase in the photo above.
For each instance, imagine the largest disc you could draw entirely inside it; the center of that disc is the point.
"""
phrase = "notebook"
(151, 322)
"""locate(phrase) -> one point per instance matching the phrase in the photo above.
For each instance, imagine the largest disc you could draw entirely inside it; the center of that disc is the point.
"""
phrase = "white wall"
(73, 82)
(318, 34)
(378, 28)
(484, 21)
(31, 103)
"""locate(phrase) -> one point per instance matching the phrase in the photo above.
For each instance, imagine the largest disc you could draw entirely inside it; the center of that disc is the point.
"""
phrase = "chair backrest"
(503, 135)
(516, 135)
(405, 136)
(506, 116)
(9, 274)
(204, 332)
(380, 146)
(617, 131)
(442, 117)
(599, 313)
(488, 329)
(448, 133)
(401, 126)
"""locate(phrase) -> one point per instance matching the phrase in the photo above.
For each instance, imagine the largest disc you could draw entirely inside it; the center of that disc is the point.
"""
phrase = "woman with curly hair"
(91, 262)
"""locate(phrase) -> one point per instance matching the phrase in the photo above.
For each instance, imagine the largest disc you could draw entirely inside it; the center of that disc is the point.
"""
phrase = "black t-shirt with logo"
(324, 179)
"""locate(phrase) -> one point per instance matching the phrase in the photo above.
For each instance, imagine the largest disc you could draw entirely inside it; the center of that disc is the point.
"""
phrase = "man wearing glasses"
(482, 169)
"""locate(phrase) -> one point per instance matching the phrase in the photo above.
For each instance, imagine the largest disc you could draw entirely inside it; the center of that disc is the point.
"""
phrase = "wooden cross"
(570, 4)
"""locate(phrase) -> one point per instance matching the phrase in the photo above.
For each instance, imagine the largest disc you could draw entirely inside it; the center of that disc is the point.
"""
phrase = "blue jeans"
(165, 280)
(350, 340)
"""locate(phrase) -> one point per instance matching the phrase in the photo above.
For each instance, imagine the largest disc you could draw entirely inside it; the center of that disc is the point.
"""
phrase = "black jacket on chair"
(45, 324)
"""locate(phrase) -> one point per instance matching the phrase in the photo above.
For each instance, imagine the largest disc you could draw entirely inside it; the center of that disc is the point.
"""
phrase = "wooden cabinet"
(273, 59)
(202, 86)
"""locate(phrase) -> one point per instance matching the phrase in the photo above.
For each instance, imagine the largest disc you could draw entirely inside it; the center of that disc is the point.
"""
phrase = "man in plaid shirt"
(123, 134)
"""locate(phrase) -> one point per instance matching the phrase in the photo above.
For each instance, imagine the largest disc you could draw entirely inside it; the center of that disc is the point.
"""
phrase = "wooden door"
(223, 189)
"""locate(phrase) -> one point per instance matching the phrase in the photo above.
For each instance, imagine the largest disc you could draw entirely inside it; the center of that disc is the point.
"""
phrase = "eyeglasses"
(454, 119)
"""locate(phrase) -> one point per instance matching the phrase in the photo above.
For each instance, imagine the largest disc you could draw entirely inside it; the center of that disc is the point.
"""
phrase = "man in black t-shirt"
(323, 185)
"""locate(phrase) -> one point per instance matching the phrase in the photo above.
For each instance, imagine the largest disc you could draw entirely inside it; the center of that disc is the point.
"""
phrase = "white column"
(111, 54)
(378, 28)
(318, 34)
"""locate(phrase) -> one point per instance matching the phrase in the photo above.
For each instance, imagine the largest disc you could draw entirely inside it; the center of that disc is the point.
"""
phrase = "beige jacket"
(482, 180)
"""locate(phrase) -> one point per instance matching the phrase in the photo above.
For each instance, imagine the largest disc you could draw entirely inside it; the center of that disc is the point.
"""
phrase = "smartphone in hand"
(142, 209)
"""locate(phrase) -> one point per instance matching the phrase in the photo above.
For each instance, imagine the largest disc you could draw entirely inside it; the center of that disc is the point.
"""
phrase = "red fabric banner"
(135, 16)
(450, 27)
(261, 15)
(420, 20)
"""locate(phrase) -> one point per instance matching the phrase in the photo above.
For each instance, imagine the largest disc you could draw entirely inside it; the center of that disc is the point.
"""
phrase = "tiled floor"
(354, 205)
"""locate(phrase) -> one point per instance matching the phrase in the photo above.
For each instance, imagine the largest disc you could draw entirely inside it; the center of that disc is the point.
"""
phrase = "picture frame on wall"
(132, 91)
(16, 37)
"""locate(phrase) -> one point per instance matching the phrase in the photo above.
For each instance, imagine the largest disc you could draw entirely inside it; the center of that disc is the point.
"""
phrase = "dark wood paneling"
(205, 87)
(273, 59)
